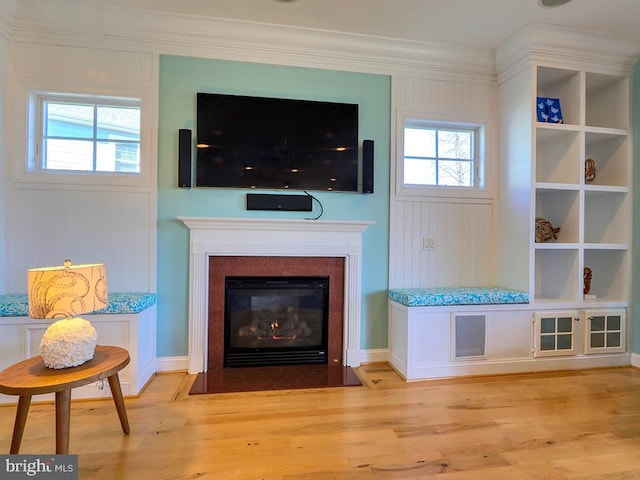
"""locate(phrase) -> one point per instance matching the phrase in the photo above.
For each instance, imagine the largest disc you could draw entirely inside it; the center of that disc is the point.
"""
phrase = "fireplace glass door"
(277, 320)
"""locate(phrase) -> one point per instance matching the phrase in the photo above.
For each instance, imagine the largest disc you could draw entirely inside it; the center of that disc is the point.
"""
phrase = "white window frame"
(482, 191)
(538, 334)
(95, 102)
(588, 318)
(28, 126)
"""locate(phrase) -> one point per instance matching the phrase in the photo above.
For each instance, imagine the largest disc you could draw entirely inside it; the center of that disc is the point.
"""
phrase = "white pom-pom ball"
(68, 343)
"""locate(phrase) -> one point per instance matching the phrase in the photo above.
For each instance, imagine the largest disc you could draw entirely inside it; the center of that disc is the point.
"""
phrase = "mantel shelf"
(271, 224)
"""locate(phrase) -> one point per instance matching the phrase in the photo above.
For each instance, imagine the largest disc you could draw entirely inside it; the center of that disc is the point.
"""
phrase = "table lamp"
(62, 292)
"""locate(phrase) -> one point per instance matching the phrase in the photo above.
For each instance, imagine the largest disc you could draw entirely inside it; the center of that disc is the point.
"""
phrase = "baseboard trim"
(172, 364)
(511, 366)
(375, 355)
(381, 355)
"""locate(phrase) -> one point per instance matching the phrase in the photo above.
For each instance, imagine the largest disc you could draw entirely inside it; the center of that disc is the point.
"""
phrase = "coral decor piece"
(590, 170)
(587, 280)
(545, 230)
(68, 343)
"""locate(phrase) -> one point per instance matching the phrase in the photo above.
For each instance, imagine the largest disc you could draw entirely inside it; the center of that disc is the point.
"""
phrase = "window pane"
(547, 342)
(419, 142)
(597, 324)
(613, 322)
(454, 173)
(452, 150)
(564, 342)
(548, 325)
(597, 340)
(90, 137)
(419, 172)
(69, 155)
(117, 157)
(63, 120)
(565, 324)
(127, 157)
(613, 339)
(454, 144)
(121, 123)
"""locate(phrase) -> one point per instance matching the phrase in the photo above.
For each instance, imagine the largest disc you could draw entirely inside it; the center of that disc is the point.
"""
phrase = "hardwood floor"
(562, 425)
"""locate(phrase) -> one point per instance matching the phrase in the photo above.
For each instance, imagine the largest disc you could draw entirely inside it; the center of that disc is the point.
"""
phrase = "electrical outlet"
(428, 243)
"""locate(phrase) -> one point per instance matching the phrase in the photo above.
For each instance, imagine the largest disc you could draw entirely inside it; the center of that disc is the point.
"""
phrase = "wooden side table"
(30, 377)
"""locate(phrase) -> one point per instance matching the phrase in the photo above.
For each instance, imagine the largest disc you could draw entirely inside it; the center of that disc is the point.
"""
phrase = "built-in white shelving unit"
(543, 175)
(593, 216)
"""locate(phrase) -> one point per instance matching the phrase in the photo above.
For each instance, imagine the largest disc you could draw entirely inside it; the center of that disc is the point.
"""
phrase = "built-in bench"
(448, 331)
(128, 321)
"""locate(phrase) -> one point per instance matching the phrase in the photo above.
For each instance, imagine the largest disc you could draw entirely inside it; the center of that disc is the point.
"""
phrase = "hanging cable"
(319, 204)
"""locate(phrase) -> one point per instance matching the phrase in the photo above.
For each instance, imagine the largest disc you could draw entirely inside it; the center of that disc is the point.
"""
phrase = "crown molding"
(189, 35)
(7, 14)
(566, 48)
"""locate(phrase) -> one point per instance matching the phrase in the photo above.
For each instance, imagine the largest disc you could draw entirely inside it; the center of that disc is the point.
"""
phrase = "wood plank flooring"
(555, 426)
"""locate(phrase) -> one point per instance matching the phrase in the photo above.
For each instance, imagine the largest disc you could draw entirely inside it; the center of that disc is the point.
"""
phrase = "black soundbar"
(285, 203)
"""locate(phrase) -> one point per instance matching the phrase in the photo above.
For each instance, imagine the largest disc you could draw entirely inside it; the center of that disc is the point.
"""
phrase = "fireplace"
(275, 320)
(282, 238)
(275, 278)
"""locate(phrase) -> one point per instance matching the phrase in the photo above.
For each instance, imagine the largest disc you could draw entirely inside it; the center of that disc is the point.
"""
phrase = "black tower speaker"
(367, 166)
(184, 158)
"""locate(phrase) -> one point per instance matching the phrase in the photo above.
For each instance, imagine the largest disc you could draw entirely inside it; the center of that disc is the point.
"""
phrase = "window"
(435, 156)
(442, 158)
(85, 135)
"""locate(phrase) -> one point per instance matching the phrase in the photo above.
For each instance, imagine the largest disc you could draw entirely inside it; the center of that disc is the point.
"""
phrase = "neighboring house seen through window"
(88, 136)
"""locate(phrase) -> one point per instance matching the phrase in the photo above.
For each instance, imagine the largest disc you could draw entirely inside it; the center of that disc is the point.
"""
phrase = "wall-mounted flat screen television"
(275, 143)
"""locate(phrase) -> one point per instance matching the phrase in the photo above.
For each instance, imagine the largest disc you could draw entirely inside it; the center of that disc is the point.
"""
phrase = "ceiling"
(476, 23)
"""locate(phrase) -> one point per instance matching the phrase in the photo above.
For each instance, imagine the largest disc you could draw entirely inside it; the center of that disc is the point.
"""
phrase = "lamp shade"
(66, 290)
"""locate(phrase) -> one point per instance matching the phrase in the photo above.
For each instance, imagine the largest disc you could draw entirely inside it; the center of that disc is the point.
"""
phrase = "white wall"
(93, 52)
(463, 228)
(100, 50)
(79, 217)
(4, 59)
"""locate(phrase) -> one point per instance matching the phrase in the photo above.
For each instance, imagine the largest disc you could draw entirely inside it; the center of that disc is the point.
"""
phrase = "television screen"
(274, 143)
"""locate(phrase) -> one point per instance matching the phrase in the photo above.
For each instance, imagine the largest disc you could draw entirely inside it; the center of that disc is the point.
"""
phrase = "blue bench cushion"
(14, 305)
(17, 304)
(128, 302)
(441, 296)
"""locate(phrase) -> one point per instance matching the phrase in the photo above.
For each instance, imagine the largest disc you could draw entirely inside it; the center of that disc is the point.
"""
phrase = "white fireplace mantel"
(210, 236)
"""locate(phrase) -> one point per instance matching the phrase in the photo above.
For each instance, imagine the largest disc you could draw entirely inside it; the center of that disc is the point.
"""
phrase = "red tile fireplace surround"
(221, 267)
(227, 246)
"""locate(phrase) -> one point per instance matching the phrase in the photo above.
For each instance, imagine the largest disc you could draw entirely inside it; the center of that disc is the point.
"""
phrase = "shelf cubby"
(606, 101)
(556, 274)
(611, 153)
(609, 273)
(562, 209)
(562, 84)
(557, 155)
(606, 217)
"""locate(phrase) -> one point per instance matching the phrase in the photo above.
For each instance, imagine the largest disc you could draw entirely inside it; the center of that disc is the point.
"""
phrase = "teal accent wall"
(180, 79)
(635, 272)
